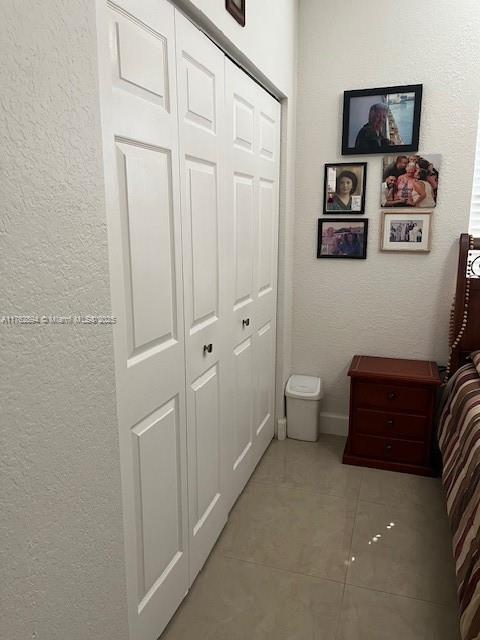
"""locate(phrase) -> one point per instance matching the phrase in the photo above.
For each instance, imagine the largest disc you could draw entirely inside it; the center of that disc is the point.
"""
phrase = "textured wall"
(61, 527)
(390, 304)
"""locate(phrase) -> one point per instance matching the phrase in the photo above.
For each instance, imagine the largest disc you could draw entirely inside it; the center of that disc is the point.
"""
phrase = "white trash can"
(303, 395)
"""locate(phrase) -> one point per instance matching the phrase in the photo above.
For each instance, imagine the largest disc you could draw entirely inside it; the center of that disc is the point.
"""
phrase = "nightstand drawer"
(392, 397)
(389, 449)
(390, 425)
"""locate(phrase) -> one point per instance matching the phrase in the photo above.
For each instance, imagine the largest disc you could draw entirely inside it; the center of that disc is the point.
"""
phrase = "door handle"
(246, 322)
(207, 348)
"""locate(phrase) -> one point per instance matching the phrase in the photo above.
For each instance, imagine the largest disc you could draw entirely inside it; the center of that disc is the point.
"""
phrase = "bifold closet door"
(201, 109)
(142, 175)
(253, 132)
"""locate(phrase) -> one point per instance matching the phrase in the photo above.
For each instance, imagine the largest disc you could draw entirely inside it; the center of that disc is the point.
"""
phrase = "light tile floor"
(317, 550)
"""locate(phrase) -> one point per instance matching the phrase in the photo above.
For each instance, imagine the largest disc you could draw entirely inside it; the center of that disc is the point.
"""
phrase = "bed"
(459, 436)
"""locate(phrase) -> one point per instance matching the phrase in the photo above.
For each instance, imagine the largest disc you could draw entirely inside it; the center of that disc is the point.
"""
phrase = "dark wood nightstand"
(392, 405)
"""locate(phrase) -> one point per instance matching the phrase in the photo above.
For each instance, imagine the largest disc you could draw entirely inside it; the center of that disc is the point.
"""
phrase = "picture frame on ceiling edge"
(236, 8)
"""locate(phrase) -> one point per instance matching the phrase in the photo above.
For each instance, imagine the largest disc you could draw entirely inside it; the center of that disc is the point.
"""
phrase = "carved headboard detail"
(465, 319)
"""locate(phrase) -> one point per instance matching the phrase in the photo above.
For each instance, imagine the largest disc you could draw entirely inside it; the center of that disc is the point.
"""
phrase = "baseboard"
(334, 424)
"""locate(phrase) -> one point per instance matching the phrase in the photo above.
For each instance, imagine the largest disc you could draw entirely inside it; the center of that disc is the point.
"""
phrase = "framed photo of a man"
(410, 181)
(344, 187)
(382, 120)
(342, 238)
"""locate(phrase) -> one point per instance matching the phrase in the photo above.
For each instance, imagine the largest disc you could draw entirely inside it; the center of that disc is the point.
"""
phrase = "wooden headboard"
(467, 297)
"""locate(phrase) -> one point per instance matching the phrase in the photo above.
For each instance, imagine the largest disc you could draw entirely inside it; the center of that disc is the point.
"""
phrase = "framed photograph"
(342, 238)
(237, 9)
(406, 231)
(410, 181)
(383, 120)
(344, 187)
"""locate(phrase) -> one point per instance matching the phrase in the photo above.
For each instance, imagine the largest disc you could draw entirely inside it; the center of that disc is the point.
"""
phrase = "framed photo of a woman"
(381, 120)
(344, 190)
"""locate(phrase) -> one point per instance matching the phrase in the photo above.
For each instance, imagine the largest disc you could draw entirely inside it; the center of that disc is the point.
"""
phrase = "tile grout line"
(340, 609)
(271, 566)
(304, 487)
(444, 605)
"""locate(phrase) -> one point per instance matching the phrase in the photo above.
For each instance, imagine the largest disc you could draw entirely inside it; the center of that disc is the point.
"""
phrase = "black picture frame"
(236, 8)
(337, 223)
(375, 147)
(363, 187)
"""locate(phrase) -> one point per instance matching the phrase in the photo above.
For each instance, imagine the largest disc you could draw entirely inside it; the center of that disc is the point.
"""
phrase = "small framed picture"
(410, 181)
(236, 8)
(342, 238)
(382, 120)
(344, 187)
(406, 231)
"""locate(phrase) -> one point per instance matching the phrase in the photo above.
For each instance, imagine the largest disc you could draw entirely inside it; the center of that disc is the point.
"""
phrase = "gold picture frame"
(406, 231)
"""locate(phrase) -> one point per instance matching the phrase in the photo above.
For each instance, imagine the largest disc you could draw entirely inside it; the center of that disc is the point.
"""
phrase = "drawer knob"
(392, 395)
(208, 348)
(388, 447)
(390, 423)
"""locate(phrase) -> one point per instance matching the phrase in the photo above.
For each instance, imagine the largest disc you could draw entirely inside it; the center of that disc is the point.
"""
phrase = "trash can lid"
(306, 387)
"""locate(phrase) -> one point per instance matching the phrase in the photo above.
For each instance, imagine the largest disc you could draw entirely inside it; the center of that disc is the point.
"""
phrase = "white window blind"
(474, 227)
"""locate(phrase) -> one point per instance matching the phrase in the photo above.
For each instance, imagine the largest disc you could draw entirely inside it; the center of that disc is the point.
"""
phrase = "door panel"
(243, 408)
(141, 170)
(243, 254)
(206, 422)
(265, 372)
(141, 59)
(201, 104)
(253, 127)
(145, 192)
(266, 237)
(203, 220)
(157, 483)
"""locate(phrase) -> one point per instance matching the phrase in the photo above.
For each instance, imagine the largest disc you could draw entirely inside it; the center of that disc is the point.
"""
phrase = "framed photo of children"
(408, 231)
(342, 238)
(410, 181)
(382, 120)
(344, 187)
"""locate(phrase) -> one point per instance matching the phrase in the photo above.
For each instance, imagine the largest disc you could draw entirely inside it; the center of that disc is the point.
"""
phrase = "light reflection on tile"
(413, 558)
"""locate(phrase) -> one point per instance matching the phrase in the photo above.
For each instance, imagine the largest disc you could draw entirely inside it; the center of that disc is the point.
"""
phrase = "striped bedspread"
(459, 440)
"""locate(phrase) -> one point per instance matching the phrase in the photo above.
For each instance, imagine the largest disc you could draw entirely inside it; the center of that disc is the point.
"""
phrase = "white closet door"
(253, 131)
(142, 168)
(268, 124)
(201, 108)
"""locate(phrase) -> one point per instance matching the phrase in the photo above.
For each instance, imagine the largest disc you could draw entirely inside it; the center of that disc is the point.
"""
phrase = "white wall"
(267, 47)
(62, 564)
(390, 304)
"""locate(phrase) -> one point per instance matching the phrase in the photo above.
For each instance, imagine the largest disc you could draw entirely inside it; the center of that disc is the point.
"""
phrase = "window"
(474, 227)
